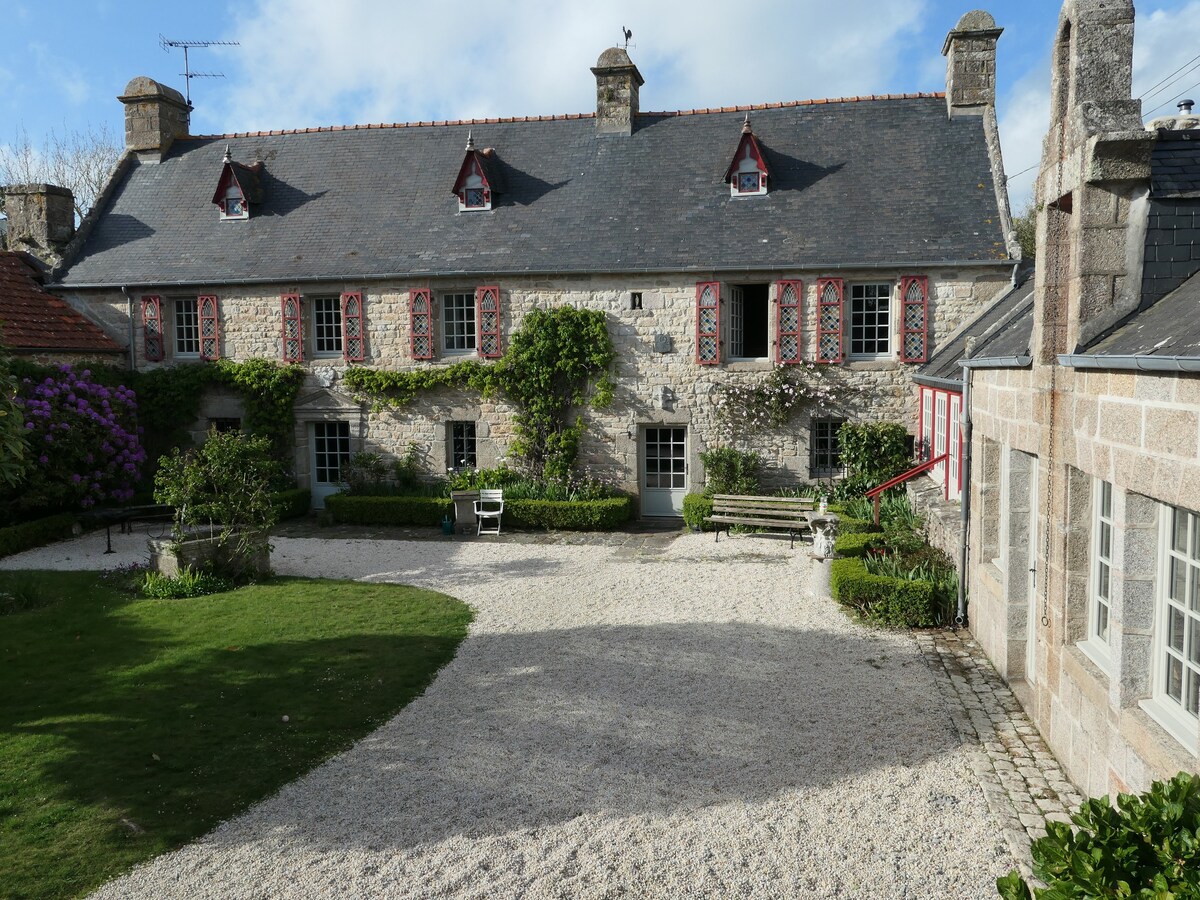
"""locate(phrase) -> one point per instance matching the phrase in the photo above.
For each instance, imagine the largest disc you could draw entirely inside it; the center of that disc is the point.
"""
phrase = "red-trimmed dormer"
(238, 188)
(747, 174)
(478, 179)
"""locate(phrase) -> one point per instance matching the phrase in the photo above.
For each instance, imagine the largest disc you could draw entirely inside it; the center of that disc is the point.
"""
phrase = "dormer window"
(478, 179)
(238, 189)
(747, 174)
(235, 204)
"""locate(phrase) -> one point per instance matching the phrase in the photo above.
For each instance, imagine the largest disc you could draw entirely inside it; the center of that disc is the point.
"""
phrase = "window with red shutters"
(293, 328)
(354, 335)
(830, 296)
(788, 311)
(487, 314)
(152, 328)
(210, 326)
(420, 322)
(708, 323)
(914, 318)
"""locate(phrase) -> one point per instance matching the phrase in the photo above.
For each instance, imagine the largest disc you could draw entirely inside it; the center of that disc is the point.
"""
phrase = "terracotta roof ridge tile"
(566, 117)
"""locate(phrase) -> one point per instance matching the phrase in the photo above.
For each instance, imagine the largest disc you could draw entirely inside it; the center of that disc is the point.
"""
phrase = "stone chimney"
(154, 116)
(41, 219)
(617, 84)
(970, 51)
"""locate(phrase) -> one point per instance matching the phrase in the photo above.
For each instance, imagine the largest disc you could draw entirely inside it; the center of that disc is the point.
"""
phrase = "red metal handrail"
(874, 492)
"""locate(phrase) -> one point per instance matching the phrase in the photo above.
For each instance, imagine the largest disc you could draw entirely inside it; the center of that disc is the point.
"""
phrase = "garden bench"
(790, 514)
(125, 516)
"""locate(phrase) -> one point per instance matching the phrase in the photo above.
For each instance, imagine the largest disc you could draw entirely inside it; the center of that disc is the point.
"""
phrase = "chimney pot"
(1185, 107)
(41, 219)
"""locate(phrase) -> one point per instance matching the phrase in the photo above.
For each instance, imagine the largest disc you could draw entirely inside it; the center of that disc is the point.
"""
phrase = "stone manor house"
(855, 233)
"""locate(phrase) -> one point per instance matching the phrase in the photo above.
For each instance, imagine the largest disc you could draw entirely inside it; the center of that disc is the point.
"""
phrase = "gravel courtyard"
(674, 721)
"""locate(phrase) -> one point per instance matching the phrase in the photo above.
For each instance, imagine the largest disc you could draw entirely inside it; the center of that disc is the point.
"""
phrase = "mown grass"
(131, 726)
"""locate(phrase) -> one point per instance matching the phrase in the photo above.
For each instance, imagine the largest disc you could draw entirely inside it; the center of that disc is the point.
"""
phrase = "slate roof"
(1001, 330)
(1175, 164)
(1171, 327)
(856, 182)
(33, 319)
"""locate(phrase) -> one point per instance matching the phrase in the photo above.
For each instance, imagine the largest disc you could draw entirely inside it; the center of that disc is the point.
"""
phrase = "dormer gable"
(747, 175)
(479, 179)
(239, 188)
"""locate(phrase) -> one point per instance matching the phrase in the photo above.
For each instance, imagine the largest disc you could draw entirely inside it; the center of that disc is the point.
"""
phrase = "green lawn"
(129, 726)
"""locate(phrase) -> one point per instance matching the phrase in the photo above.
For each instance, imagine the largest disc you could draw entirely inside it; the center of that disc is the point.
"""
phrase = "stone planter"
(464, 510)
(197, 550)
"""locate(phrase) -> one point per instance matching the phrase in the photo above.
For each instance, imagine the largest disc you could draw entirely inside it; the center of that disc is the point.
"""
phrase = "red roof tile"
(31, 318)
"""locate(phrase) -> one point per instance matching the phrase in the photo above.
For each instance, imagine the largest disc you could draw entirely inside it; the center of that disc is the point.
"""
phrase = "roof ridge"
(505, 120)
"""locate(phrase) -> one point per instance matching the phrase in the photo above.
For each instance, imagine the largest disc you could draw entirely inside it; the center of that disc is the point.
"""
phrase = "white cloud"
(309, 62)
(1163, 43)
(1024, 119)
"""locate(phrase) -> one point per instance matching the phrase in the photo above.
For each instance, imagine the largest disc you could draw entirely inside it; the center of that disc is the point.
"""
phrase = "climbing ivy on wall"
(558, 362)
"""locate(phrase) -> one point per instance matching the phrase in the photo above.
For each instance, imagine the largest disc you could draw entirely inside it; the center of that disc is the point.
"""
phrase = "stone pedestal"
(819, 583)
(464, 510)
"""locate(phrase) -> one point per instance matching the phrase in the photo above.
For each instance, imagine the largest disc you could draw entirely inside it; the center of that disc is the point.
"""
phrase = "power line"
(1187, 70)
(1177, 97)
(1150, 90)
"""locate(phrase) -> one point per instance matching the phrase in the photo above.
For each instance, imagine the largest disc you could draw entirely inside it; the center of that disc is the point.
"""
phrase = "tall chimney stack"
(970, 51)
(41, 219)
(154, 116)
(617, 84)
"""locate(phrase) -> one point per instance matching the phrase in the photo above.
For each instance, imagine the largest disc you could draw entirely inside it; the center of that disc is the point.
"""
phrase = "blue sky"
(315, 62)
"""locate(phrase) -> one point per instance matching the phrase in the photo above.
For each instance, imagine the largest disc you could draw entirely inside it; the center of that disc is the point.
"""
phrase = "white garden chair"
(490, 506)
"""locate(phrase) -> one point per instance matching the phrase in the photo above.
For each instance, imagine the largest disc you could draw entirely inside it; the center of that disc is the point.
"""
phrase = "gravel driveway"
(680, 722)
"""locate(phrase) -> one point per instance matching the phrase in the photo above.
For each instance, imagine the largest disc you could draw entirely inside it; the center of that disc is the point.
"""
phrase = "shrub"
(363, 472)
(294, 503)
(855, 543)
(588, 515)
(851, 525)
(880, 599)
(35, 533)
(1148, 846)
(730, 471)
(696, 508)
(20, 591)
(872, 452)
(186, 584)
(407, 468)
(345, 509)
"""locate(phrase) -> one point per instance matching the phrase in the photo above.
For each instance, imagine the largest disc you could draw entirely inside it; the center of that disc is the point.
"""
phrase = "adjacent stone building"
(856, 233)
(1085, 433)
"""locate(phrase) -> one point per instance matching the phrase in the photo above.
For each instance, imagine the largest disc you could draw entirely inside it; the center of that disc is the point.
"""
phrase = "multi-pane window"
(463, 453)
(1100, 607)
(458, 317)
(327, 326)
(825, 457)
(187, 327)
(870, 320)
(1178, 633)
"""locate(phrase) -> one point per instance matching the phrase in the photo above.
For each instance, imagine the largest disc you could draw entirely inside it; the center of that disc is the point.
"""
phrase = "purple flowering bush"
(83, 444)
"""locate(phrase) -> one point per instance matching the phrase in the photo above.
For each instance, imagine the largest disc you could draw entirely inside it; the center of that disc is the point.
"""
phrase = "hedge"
(881, 599)
(696, 508)
(592, 515)
(346, 509)
(292, 504)
(28, 535)
(854, 543)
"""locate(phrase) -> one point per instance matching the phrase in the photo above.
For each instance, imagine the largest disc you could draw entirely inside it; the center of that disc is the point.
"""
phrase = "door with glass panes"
(330, 448)
(664, 470)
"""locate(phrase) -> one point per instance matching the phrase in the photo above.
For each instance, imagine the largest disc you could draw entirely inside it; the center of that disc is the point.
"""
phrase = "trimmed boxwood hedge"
(855, 543)
(697, 508)
(878, 598)
(292, 504)
(28, 535)
(592, 515)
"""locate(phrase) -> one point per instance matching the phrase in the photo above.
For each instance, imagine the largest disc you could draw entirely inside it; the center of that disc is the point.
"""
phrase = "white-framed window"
(749, 321)
(748, 179)
(940, 434)
(1175, 698)
(233, 206)
(327, 326)
(870, 320)
(927, 423)
(458, 323)
(186, 326)
(1100, 576)
(462, 445)
(953, 437)
(824, 450)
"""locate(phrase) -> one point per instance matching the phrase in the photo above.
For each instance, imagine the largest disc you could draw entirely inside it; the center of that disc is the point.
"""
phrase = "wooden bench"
(790, 514)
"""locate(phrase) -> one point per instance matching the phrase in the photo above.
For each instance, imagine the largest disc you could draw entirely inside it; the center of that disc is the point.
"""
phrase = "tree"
(12, 429)
(1025, 224)
(80, 160)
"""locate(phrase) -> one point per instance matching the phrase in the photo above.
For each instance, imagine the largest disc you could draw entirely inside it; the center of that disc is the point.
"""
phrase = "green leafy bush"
(21, 591)
(855, 543)
(407, 468)
(851, 525)
(35, 533)
(1148, 846)
(730, 471)
(363, 472)
(346, 509)
(187, 583)
(696, 508)
(590, 515)
(881, 599)
(872, 452)
(294, 503)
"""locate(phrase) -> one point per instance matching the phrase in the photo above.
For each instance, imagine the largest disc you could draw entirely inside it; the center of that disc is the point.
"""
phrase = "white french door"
(330, 449)
(664, 470)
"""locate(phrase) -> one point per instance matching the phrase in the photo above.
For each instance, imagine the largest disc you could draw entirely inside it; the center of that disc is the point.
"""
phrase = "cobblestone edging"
(1021, 780)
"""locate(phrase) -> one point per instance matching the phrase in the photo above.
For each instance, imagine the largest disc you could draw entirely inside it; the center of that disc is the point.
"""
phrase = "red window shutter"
(354, 335)
(420, 324)
(788, 295)
(914, 318)
(152, 328)
(293, 328)
(830, 294)
(487, 318)
(708, 323)
(210, 327)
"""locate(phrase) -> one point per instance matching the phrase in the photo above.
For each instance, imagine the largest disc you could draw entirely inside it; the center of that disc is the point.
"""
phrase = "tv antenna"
(187, 72)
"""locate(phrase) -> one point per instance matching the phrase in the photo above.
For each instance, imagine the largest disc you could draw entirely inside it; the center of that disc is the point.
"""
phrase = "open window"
(748, 321)
(747, 174)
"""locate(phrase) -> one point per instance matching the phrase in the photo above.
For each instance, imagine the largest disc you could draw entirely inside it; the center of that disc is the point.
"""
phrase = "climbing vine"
(767, 403)
(558, 362)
